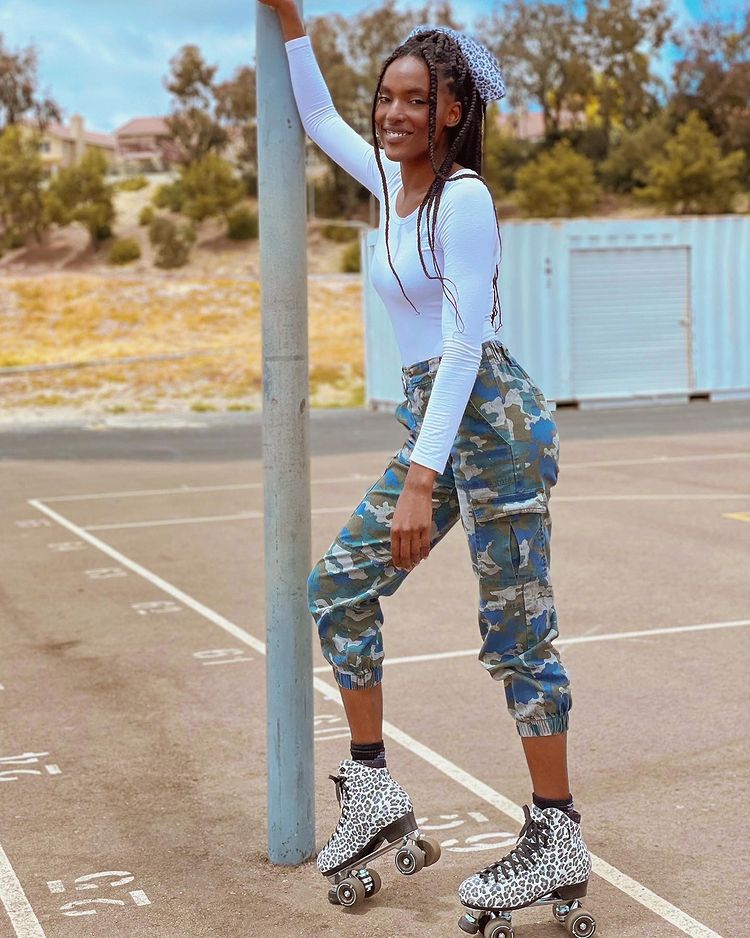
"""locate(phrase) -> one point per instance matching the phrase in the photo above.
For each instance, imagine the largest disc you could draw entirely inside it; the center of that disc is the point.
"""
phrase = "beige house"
(62, 146)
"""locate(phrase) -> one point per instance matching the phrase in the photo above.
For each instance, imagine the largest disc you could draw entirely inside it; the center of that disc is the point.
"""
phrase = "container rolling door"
(630, 321)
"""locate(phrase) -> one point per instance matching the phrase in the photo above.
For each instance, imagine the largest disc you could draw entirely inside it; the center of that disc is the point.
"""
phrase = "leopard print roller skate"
(376, 816)
(550, 865)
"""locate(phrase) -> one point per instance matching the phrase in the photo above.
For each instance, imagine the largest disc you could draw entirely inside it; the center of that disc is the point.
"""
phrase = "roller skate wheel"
(431, 849)
(332, 897)
(371, 880)
(350, 892)
(409, 859)
(580, 924)
(496, 928)
(468, 924)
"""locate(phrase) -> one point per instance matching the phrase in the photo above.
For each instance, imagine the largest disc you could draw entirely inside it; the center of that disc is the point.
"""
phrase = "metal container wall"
(606, 310)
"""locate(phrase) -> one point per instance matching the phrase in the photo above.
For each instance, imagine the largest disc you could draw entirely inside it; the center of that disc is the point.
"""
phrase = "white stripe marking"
(21, 915)
(611, 874)
(257, 515)
(577, 640)
(157, 581)
(359, 476)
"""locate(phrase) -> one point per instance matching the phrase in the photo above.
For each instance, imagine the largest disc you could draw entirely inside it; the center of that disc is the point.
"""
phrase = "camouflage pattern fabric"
(502, 466)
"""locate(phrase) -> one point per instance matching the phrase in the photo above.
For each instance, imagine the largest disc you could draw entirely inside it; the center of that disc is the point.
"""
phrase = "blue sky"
(107, 61)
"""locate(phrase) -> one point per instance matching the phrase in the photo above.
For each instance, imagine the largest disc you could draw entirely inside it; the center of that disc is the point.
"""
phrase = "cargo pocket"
(507, 535)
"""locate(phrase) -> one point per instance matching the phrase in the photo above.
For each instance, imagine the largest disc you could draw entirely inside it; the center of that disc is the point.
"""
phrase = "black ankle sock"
(372, 754)
(564, 804)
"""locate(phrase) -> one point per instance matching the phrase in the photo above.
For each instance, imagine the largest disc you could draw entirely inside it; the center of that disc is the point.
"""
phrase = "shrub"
(169, 195)
(147, 215)
(626, 166)
(124, 250)
(250, 179)
(350, 259)
(173, 244)
(692, 176)
(81, 194)
(132, 183)
(210, 187)
(243, 224)
(14, 239)
(559, 183)
(340, 233)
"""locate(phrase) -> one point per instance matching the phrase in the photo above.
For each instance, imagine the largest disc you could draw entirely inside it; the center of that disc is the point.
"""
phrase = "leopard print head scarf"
(484, 67)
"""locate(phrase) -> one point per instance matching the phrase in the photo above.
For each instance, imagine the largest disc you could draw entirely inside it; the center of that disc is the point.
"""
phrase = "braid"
(439, 50)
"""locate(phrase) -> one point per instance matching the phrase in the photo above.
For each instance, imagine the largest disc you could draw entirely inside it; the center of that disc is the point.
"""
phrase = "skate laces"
(533, 837)
(341, 797)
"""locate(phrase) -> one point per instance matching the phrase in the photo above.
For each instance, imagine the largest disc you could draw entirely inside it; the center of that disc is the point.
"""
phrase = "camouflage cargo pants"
(502, 465)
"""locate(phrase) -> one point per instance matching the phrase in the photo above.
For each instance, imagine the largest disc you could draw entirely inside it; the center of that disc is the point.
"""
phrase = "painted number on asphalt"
(64, 546)
(486, 840)
(34, 523)
(106, 879)
(104, 573)
(221, 655)
(156, 606)
(12, 774)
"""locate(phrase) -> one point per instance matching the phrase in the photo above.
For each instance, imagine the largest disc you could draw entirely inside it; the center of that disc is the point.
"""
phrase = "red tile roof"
(139, 126)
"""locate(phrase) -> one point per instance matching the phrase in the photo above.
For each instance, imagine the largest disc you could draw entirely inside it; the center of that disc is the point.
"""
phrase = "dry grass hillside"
(198, 327)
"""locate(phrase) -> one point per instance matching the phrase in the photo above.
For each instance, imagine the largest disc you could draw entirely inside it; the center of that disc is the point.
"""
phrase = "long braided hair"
(440, 52)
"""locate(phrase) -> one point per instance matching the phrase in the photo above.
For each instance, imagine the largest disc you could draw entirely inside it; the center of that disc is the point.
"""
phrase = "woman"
(482, 447)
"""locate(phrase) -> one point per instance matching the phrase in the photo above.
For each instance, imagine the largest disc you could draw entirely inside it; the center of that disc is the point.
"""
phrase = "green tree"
(504, 154)
(18, 91)
(558, 183)
(194, 123)
(693, 177)
(236, 105)
(542, 52)
(80, 194)
(626, 166)
(21, 186)
(622, 39)
(209, 187)
(713, 79)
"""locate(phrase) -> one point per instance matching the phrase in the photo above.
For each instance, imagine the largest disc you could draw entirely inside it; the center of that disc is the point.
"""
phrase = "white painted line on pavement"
(22, 918)
(257, 515)
(359, 477)
(192, 489)
(611, 874)
(577, 640)
(184, 598)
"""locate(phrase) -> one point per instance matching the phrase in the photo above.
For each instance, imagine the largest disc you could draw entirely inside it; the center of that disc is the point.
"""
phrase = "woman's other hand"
(277, 4)
(292, 25)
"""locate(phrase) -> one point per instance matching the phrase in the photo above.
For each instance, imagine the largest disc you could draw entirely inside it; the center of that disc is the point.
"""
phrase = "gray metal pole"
(286, 452)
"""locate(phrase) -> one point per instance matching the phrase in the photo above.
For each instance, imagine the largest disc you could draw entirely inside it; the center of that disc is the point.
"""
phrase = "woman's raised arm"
(322, 122)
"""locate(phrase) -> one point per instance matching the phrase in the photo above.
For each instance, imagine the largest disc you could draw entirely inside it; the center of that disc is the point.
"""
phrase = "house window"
(45, 146)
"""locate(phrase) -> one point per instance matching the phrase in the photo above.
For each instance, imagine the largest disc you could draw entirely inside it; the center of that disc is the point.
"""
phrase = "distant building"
(529, 125)
(146, 144)
(62, 146)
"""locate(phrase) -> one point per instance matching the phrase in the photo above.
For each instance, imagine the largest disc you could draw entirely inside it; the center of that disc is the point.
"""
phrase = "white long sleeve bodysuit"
(467, 248)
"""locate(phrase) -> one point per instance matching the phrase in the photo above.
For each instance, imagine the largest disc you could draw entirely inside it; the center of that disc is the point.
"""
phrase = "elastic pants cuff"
(358, 681)
(546, 727)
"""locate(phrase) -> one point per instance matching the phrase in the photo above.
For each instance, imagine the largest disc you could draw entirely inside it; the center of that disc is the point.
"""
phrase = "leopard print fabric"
(558, 857)
(370, 801)
(483, 65)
